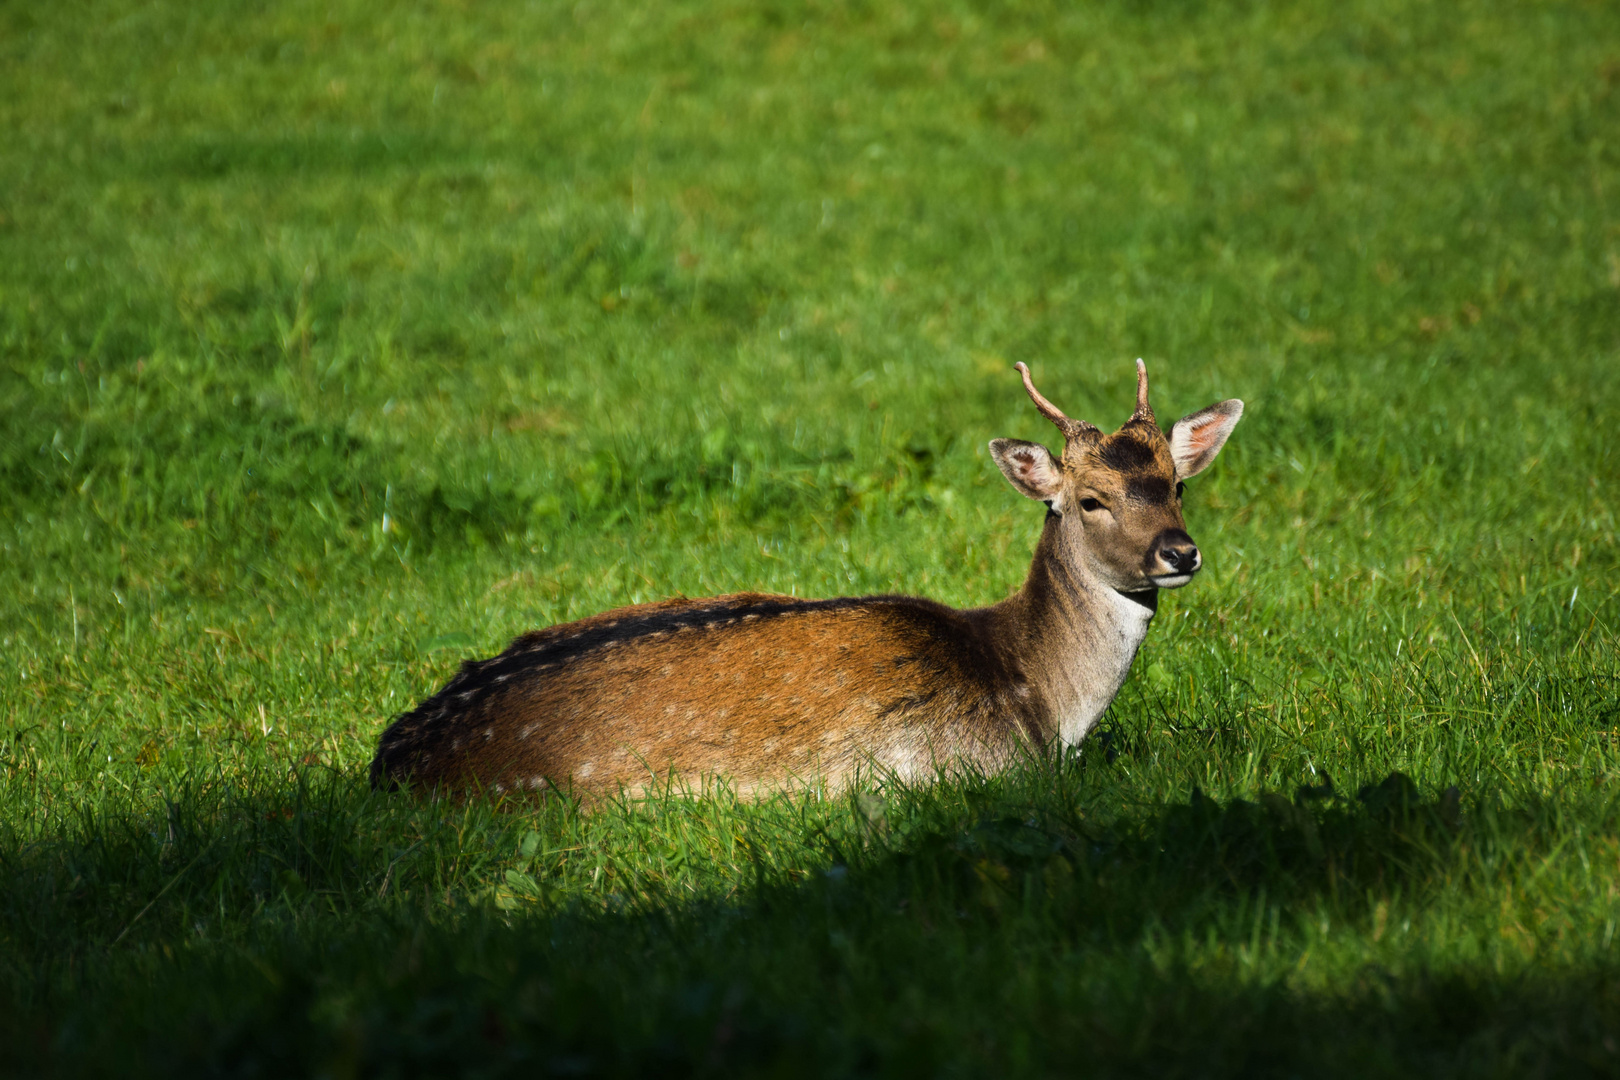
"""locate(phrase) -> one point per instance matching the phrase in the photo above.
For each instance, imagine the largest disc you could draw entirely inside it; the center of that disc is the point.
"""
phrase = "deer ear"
(1196, 439)
(1029, 467)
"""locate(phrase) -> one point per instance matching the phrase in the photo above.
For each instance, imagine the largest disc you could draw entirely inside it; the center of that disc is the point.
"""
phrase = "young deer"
(767, 690)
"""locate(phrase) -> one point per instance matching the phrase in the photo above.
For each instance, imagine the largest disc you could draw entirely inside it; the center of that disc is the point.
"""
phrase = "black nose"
(1177, 551)
(1181, 559)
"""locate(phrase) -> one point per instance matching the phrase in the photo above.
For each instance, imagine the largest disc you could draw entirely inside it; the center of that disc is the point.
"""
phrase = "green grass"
(342, 341)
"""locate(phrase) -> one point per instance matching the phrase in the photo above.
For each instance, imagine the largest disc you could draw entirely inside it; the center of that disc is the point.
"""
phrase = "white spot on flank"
(585, 769)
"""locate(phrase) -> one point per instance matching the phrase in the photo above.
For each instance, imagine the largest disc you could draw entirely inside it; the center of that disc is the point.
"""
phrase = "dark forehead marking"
(1148, 489)
(1126, 453)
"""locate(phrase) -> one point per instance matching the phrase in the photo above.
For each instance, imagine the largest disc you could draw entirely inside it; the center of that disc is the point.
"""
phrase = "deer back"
(762, 689)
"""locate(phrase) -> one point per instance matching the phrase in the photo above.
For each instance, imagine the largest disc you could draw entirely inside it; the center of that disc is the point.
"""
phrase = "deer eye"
(1090, 504)
(1179, 488)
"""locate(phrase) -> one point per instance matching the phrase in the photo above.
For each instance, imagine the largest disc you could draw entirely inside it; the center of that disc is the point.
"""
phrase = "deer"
(762, 692)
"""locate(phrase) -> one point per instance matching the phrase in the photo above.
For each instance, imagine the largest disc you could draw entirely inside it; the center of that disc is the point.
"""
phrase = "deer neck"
(1074, 636)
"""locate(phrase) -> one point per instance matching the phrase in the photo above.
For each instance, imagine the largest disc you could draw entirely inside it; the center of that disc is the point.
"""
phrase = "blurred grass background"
(343, 341)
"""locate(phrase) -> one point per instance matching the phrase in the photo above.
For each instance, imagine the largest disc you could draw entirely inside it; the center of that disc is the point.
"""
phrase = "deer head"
(1117, 498)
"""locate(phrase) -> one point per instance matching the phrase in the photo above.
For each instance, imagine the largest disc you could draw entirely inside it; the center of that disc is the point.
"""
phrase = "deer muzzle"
(1172, 559)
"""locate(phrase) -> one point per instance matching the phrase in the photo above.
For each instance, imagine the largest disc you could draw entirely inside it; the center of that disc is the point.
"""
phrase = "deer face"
(1118, 497)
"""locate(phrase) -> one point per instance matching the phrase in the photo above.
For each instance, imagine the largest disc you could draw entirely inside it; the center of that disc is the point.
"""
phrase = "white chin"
(1171, 581)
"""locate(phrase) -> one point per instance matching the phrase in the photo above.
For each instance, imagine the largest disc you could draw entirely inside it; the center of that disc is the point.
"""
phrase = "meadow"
(341, 342)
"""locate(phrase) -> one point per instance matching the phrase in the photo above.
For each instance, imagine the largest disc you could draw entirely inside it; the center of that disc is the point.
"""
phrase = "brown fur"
(700, 688)
(771, 690)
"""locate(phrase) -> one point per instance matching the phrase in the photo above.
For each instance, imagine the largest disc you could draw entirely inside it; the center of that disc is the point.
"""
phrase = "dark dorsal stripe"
(560, 650)
(478, 678)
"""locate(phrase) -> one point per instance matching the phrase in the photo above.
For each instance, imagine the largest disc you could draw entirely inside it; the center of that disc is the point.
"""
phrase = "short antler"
(1071, 428)
(1144, 411)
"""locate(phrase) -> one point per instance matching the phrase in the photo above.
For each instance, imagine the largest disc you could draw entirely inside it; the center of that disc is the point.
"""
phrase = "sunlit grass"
(342, 342)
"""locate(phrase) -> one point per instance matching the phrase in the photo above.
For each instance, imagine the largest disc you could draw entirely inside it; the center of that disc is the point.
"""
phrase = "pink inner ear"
(1203, 436)
(1196, 439)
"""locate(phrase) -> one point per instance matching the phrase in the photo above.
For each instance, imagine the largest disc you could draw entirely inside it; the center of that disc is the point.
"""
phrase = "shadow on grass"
(1022, 926)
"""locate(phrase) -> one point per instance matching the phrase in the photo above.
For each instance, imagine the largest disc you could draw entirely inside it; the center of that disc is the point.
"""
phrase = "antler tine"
(1070, 427)
(1144, 411)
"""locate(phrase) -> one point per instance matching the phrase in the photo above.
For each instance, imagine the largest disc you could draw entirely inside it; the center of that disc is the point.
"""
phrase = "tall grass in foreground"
(341, 342)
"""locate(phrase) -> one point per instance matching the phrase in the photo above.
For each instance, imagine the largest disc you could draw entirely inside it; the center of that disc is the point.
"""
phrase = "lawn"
(342, 342)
